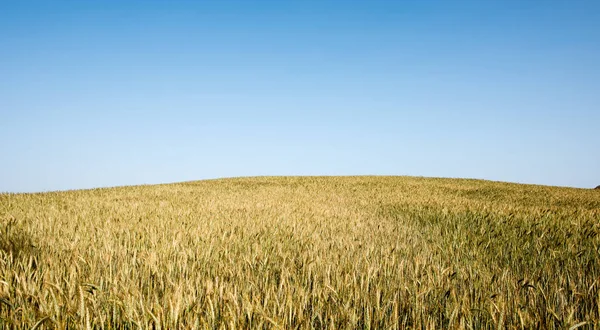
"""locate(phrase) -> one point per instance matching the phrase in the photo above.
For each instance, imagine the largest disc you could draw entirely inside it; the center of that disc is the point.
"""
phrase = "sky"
(110, 93)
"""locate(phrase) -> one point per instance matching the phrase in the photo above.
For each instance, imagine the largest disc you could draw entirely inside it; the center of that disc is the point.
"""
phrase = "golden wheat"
(302, 253)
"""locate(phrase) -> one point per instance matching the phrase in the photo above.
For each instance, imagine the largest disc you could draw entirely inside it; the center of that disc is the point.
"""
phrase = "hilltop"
(302, 252)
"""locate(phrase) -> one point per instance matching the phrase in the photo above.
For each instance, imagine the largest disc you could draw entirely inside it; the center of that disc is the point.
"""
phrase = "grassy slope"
(338, 252)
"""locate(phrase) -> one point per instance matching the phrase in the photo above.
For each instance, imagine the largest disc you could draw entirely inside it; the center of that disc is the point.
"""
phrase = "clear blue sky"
(103, 93)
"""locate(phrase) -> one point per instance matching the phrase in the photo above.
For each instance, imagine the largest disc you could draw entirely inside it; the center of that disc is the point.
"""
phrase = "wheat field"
(302, 253)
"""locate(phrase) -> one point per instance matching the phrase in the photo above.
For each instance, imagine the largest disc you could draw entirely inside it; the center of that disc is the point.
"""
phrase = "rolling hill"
(300, 253)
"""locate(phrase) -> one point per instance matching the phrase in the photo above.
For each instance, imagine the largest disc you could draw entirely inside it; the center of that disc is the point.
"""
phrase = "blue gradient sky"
(103, 93)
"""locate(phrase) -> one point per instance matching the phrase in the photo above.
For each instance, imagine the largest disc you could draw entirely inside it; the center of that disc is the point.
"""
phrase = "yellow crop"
(302, 253)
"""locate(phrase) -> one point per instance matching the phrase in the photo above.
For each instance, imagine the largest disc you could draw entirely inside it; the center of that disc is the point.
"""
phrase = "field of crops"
(301, 253)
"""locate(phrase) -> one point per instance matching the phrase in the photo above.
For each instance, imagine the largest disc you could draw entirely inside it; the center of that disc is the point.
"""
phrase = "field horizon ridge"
(302, 252)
